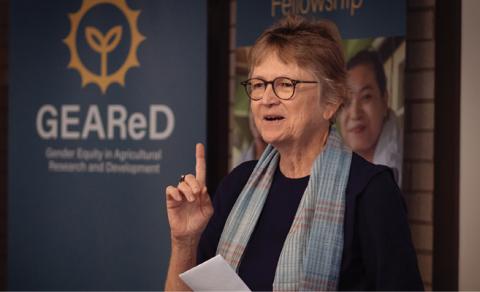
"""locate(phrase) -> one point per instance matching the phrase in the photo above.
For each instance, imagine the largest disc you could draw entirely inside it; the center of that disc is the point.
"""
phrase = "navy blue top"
(377, 255)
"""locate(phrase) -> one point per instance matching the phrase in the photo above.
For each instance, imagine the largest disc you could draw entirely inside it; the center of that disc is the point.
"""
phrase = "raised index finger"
(200, 167)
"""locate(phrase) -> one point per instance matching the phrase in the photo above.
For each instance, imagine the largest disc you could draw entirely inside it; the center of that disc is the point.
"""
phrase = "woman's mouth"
(273, 118)
(357, 129)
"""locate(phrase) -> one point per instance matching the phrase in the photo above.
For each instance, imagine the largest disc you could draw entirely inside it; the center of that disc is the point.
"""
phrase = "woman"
(368, 126)
(310, 214)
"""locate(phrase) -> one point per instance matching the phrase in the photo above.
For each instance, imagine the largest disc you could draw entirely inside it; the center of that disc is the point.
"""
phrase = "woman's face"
(361, 119)
(294, 121)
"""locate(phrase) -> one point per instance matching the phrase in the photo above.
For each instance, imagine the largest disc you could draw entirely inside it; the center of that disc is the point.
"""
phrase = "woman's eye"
(257, 85)
(285, 84)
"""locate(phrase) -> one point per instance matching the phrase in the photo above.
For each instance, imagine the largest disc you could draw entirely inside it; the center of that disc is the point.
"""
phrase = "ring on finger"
(182, 178)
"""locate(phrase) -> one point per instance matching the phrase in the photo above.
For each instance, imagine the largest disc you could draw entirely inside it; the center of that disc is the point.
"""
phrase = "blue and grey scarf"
(312, 253)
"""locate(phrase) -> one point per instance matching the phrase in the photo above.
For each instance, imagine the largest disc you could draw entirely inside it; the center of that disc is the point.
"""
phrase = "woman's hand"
(188, 205)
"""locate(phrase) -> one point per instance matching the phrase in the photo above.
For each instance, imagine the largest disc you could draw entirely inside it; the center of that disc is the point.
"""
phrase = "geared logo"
(108, 51)
(103, 44)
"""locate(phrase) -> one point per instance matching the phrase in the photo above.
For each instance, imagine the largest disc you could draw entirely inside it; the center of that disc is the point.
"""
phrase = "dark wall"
(3, 140)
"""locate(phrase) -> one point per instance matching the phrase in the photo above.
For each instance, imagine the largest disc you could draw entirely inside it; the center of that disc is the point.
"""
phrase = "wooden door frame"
(447, 145)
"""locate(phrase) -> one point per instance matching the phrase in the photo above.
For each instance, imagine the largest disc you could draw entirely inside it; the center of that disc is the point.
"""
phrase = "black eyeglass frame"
(272, 82)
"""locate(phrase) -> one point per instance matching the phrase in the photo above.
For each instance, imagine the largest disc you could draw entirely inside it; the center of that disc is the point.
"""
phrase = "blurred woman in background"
(367, 124)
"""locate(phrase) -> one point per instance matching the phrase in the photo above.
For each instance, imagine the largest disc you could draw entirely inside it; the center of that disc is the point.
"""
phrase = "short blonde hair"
(312, 45)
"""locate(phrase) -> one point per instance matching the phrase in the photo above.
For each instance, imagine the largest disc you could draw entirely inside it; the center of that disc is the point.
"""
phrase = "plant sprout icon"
(103, 44)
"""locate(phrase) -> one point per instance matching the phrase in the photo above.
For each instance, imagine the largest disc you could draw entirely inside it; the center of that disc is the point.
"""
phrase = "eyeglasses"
(283, 87)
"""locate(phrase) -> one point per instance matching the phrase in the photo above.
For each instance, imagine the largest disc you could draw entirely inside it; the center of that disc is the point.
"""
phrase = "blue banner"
(355, 18)
(107, 100)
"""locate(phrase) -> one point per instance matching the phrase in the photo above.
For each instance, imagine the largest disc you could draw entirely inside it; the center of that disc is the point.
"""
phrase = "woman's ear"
(330, 110)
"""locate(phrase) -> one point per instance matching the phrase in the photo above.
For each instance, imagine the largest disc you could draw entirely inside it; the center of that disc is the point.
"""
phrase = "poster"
(372, 33)
(98, 126)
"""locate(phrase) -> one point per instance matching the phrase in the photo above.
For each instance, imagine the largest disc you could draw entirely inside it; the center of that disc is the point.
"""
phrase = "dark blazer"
(378, 253)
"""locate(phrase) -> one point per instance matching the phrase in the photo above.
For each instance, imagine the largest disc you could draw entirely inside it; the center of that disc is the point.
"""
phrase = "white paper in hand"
(214, 274)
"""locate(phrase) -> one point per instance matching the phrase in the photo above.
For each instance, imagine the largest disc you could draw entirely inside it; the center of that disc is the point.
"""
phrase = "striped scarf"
(311, 255)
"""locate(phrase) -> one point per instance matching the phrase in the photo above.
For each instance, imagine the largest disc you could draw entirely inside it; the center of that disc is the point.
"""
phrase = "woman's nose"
(269, 96)
(354, 109)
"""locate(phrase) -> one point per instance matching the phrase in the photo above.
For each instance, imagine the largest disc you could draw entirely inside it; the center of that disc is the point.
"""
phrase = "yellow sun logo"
(103, 45)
